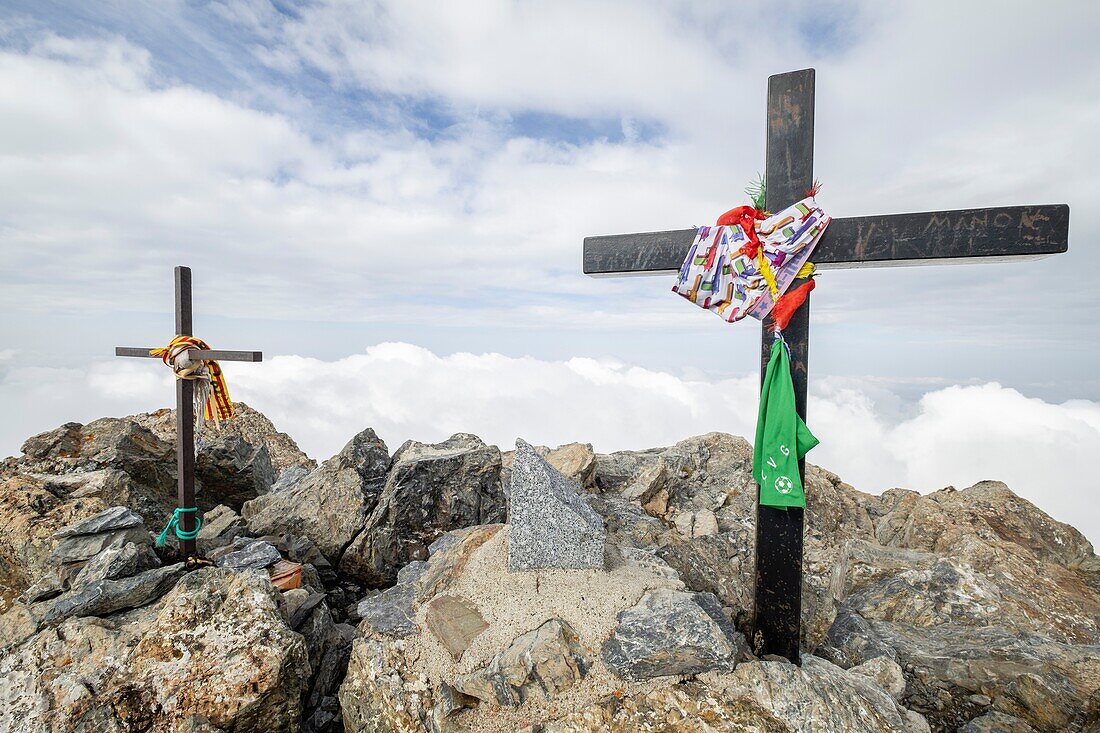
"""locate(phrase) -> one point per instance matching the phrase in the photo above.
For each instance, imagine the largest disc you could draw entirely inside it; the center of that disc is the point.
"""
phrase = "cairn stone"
(550, 524)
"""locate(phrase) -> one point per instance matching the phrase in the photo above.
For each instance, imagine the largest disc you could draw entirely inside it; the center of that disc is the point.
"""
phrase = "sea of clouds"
(872, 434)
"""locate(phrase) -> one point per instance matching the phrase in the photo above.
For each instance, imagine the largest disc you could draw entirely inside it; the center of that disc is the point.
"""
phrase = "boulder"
(116, 562)
(214, 654)
(329, 505)
(30, 515)
(673, 633)
(762, 697)
(954, 670)
(229, 470)
(429, 490)
(248, 424)
(995, 722)
(575, 461)
(546, 660)
(109, 520)
(389, 613)
(78, 548)
(220, 526)
(104, 597)
(549, 525)
(886, 673)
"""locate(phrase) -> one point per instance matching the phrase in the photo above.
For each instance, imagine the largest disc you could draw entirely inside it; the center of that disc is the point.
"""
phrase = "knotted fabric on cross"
(211, 392)
(743, 264)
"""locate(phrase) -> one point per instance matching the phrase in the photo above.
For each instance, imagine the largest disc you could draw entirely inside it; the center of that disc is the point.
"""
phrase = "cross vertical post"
(789, 174)
(185, 418)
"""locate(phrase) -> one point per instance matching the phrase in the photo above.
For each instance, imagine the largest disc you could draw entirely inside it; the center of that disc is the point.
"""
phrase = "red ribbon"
(745, 217)
(789, 303)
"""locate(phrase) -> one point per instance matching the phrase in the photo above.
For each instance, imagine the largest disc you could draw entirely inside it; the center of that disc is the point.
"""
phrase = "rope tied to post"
(174, 524)
(211, 391)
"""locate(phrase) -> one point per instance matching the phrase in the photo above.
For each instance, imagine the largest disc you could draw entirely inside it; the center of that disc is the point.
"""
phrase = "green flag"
(781, 436)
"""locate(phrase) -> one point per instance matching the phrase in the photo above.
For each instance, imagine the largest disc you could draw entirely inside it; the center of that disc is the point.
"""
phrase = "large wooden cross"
(185, 406)
(987, 235)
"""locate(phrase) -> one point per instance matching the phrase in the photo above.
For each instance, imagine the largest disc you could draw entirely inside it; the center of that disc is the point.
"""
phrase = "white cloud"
(951, 436)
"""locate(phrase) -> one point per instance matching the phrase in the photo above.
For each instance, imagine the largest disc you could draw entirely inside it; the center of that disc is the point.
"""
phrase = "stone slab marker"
(550, 525)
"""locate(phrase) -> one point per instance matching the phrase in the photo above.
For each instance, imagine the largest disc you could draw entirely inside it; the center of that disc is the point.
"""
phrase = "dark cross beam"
(185, 404)
(934, 237)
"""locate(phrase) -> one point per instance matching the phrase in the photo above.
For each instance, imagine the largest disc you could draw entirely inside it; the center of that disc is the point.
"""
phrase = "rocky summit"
(450, 587)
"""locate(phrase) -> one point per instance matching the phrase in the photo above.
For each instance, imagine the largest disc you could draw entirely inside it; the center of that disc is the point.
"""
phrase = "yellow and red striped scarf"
(217, 405)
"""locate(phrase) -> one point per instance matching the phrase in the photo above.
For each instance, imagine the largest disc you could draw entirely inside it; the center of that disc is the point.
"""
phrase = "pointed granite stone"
(550, 524)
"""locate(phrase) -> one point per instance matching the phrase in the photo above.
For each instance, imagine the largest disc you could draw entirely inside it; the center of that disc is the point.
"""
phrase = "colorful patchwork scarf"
(743, 264)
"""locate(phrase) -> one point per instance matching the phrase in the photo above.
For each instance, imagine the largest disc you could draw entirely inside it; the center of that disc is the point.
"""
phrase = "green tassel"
(755, 191)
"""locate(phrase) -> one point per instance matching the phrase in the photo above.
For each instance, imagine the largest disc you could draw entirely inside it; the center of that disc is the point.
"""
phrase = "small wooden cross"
(185, 405)
(935, 237)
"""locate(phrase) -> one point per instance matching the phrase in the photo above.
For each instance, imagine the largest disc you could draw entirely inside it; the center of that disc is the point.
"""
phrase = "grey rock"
(547, 660)
(550, 524)
(215, 646)
(48, 586)
(117, 517)
(430, 490)
(290, 477)
(995, 722)
(116, 562)
(330, 671)
(646, 483)
(886, 673)
(254, 554)
(673, 633)
(220, 522)
(331, 504)
(305, 610)
(722, 564)
(315, 624)
(449, 701)
(412, 572)
(105, 597)
(851, 641)
(1050, 685)
(78, 548)
(110, 444)
(229, 470)
(109, 484)
(391, 612)
(248, 424)
(818, 696)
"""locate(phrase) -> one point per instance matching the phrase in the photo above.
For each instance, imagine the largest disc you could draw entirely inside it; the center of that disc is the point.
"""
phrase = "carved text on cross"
(185, 399)
(974, 235)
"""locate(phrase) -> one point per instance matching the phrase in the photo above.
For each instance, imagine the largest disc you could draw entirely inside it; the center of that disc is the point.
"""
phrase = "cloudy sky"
(389, 200)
